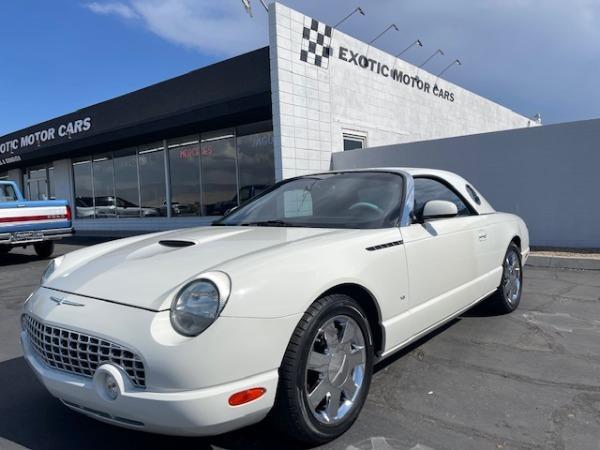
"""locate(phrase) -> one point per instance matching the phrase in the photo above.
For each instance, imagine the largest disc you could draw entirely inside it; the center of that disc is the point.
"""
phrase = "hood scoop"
(176, 243)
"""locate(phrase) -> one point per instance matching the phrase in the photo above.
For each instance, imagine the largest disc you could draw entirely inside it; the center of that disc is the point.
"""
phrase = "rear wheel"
(508, 296)
(326, 371)
(44, 249)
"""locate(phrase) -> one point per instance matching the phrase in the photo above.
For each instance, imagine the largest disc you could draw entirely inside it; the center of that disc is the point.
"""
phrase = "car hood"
(146, 273)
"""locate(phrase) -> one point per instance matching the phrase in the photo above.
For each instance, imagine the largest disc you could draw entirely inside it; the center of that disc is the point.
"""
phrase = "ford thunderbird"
(279, 310)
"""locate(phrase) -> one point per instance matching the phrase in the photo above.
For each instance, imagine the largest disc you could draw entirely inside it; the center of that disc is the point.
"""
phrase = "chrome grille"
(79, 353)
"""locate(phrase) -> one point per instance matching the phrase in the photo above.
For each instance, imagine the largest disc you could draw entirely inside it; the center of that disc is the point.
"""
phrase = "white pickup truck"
(37, 223)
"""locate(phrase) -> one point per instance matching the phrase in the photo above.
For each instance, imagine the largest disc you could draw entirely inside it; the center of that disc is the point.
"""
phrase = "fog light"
(239, 398)
(111, 386)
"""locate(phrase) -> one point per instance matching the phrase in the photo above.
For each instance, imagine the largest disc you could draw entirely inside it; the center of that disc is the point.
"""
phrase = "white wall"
(313, 106)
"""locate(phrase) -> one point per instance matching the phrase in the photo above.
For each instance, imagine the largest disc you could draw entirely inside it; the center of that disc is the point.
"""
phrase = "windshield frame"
(397, 221)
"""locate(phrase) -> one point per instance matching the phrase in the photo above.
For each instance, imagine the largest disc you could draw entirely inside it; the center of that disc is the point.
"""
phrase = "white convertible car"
(280, 309)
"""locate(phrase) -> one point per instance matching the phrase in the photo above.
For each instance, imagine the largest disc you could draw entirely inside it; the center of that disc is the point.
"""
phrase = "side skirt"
(428, 330)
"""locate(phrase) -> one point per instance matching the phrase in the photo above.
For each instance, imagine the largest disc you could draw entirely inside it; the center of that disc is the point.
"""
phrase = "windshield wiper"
(269, 223)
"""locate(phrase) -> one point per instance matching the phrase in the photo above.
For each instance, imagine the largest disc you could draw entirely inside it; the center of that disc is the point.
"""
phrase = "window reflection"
(153, 193)
(219, 174)
(208, 175)
(84, 194)
(104, 186)
(256, 162)
(126, 184)
(184, 161)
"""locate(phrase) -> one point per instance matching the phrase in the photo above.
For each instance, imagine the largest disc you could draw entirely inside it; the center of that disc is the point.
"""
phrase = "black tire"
(4, 249)
(502, 300)
(292, 412)
(44, 249)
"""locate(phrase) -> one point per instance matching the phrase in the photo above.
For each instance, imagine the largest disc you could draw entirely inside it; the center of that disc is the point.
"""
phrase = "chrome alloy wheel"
(511, 279)
(335, 369)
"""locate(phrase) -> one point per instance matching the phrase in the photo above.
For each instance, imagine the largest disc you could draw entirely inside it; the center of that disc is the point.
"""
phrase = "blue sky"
(61, 55)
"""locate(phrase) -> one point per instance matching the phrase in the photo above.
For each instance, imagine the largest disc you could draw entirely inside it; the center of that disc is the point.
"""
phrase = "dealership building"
(183, 151)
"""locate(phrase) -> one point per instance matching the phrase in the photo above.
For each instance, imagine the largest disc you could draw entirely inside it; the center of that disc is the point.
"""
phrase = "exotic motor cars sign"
(386, 71)
(42, 136)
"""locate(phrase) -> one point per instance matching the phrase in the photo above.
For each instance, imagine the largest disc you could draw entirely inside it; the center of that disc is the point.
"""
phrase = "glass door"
(36, 183)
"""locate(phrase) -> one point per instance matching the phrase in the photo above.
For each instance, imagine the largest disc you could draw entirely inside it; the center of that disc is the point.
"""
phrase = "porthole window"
(473, 195)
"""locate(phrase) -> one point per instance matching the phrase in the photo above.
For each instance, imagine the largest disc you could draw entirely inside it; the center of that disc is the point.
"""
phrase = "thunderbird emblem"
(62, 301)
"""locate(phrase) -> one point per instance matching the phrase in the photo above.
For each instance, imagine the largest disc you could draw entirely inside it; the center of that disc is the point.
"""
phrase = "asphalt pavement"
(528, 380)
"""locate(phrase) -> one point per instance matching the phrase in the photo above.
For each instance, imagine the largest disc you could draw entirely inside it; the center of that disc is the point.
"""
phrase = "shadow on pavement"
(13, 259)
(32, 418)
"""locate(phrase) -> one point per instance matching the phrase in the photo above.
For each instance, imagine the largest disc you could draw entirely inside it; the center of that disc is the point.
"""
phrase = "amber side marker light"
(239, 398)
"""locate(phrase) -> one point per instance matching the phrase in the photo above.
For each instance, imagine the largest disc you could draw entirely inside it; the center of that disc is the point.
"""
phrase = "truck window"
(7, 193)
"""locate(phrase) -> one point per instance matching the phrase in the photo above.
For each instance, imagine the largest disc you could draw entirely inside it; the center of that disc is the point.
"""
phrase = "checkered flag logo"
(316, 43)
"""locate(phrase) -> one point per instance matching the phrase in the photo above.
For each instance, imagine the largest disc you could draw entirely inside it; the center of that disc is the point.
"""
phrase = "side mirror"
(439, 209)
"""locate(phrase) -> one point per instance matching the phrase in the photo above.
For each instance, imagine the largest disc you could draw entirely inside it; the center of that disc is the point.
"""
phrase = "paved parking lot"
(529, 380)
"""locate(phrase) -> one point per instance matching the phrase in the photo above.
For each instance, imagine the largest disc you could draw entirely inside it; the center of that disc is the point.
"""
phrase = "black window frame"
(472, 210)
(473, 194)
(353, 138)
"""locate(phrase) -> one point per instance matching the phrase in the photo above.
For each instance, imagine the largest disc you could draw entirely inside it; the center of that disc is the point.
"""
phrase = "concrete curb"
(563, 262)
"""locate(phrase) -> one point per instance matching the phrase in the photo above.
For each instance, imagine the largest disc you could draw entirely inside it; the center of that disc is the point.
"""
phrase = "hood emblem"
(62, 301)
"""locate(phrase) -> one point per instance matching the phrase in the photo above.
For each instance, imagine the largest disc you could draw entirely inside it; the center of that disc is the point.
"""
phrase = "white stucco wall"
(313, 106)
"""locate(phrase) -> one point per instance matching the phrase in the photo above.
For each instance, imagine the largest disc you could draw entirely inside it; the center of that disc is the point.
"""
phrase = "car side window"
(7, 193)
(427, 189)
(473, 195)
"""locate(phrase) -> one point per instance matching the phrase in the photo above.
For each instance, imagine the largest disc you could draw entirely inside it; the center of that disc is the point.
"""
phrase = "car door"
(442, 258)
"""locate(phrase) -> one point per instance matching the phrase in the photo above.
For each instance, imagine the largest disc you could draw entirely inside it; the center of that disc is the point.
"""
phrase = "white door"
(442, 259)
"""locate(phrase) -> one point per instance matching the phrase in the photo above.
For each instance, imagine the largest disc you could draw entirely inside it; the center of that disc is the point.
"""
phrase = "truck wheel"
(44, 249)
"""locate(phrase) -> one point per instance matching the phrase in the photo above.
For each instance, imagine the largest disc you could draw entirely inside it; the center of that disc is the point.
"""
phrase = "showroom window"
(84, 191)
(256, 164)
(354, 141)
(127, 192)
(208, 174)
(153, 191)
(103, 176)
(184, 166)
(219, 172)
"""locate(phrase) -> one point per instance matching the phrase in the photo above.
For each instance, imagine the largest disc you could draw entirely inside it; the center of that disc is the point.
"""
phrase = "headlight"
(52, 266)
(199, 303)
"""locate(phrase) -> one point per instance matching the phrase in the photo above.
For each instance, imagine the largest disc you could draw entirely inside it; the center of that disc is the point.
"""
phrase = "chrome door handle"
(482, 235)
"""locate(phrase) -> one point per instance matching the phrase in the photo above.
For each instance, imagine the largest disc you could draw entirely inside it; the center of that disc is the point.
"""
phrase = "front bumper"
(189, 413)
(188, 381)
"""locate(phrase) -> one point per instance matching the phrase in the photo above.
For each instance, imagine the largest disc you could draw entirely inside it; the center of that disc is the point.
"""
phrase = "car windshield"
(333, 200)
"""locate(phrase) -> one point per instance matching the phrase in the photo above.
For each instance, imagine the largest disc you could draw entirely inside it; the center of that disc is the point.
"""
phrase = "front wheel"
(508, 296)
(44, 249)
(326, 371)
